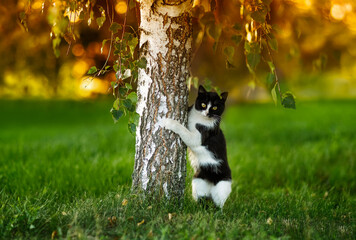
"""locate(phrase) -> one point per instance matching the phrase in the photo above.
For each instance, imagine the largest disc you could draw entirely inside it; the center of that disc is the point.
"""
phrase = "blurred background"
(315, 59)
(65, 168)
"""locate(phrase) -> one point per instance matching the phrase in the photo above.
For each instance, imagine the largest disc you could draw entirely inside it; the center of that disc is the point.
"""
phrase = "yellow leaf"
(54, 234)
(326, 194)
(124, 202)
(140, 223)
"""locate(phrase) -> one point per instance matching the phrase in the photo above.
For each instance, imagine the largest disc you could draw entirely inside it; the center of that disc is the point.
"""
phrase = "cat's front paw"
(166, 123)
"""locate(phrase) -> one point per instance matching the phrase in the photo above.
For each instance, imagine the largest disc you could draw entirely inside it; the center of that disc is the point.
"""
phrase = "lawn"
(65, 172)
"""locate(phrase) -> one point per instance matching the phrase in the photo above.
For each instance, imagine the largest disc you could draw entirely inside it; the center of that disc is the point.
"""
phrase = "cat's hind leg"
(220, 192)
(201, 188)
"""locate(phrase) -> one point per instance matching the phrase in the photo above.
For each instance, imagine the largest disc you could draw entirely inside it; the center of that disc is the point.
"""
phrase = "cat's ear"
(201, 89)
(224, 96)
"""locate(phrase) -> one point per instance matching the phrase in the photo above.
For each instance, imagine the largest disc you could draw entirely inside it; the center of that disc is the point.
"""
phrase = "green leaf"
(288, 100)
(258, 17)
(116, 104)
(128, 86)
(116, 68)
(236, 39)
(142, 63)
(103, 44)
(272, 42)
(214, 31)
(229, 52)
(132, 128)
(132, 43)
(218, 91)
(55, 44)
(116, 114)
(133, 97)
(129, 105)
(100, 21)
(115, 27)
(274, 94)
(252, 47)
(135, 117)
(123, 91)
(271, 66)
(253, 59)
(207, 84)
(92, 70)
(270, 80)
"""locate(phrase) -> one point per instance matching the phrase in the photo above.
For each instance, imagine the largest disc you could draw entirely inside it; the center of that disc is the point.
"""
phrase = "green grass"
(65, 169)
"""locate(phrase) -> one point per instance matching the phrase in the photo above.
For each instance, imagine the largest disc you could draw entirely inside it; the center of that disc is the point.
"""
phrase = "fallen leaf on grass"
(124, 202)
(170, 216)
(54, 234)
(326, 194)
(140, 223)
(112, 220)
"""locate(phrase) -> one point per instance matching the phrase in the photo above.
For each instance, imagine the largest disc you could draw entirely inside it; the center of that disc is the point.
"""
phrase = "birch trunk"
(165, 41)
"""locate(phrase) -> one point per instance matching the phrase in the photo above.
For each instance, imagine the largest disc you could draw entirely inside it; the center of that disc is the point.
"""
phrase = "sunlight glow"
(249, 36)
(303, 4)
(78, 50)
(338, 11)
(351, 22)
(37, 5)
(90, 86)
(80, 68)
(121, 7)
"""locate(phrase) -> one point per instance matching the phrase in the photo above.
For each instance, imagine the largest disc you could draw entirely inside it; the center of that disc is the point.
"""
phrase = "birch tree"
(166, 43)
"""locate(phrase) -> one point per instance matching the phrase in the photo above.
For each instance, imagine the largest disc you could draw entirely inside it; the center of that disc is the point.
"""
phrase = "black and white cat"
(206, 146)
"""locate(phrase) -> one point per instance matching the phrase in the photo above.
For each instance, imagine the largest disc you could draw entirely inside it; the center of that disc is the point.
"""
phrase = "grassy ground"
(65, 173)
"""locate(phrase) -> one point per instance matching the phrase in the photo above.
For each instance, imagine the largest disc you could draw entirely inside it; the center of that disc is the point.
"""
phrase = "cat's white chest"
(198, 154)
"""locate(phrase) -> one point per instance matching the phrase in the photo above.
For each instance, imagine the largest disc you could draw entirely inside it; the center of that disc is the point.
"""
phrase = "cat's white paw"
(166, 123)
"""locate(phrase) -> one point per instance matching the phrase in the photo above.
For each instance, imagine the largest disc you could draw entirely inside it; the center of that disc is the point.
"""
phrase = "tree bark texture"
(165, 41)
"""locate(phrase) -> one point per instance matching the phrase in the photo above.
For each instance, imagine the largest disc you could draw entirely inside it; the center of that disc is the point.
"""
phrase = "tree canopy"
(52, 45)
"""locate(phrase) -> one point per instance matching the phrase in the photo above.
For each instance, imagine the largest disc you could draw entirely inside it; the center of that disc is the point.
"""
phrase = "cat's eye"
(203, 105)
(214, 108)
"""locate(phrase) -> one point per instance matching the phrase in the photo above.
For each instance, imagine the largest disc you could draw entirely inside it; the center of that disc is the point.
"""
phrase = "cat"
(206, 146)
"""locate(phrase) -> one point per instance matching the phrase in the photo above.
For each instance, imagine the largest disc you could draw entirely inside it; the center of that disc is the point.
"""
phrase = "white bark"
(165, 41)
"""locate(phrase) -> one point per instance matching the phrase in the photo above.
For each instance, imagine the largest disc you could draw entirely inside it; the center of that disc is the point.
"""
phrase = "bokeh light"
(121, 7)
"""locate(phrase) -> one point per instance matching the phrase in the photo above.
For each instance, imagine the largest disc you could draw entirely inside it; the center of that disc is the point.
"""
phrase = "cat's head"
(210, 104)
